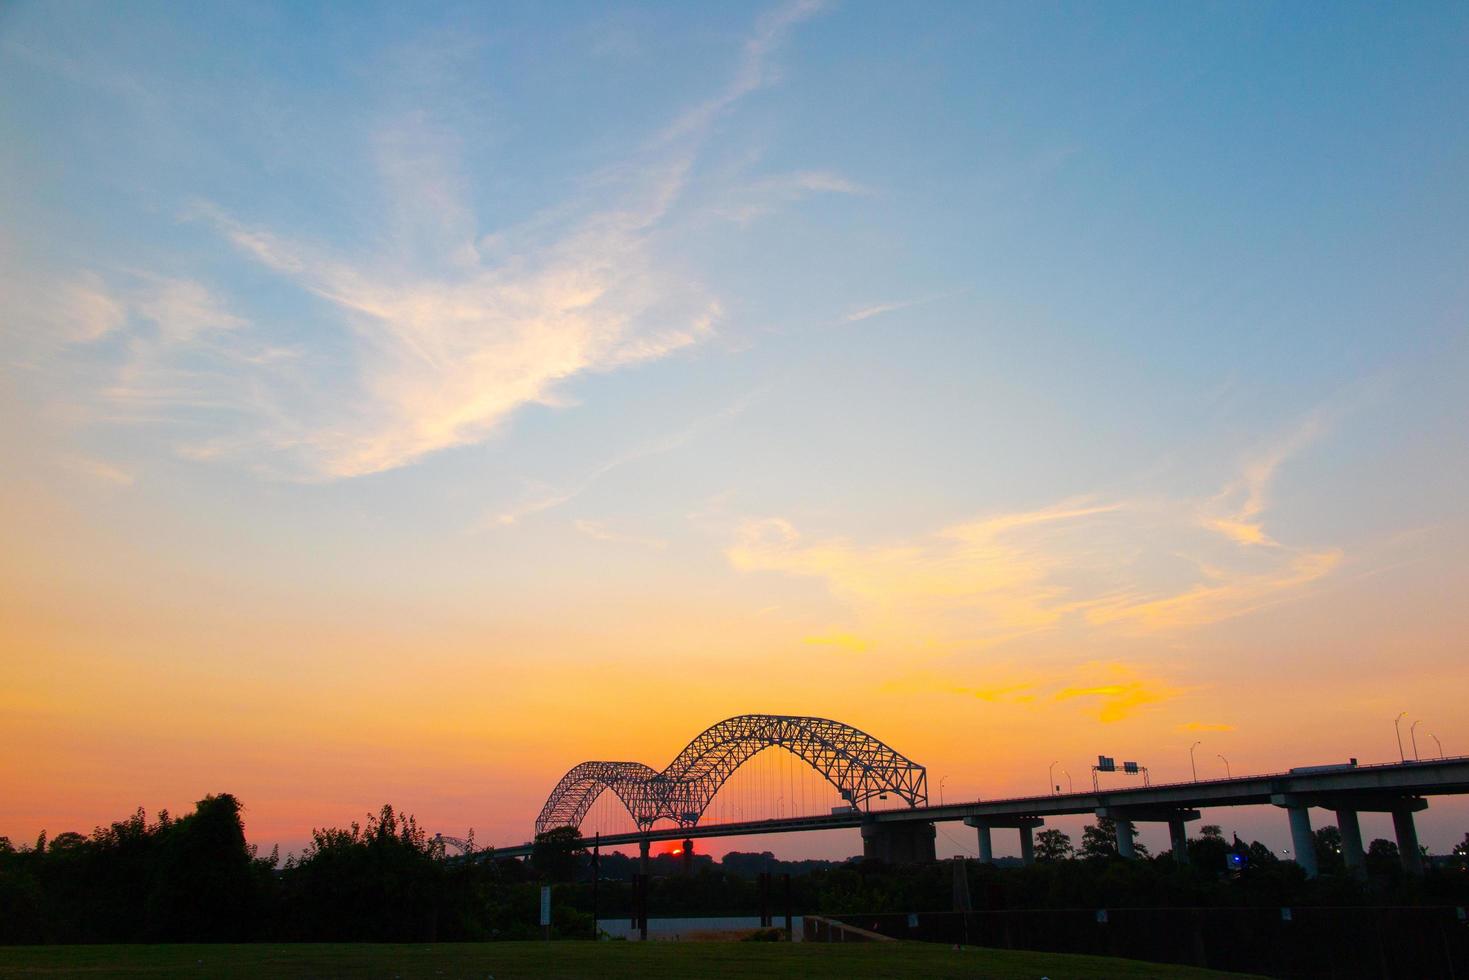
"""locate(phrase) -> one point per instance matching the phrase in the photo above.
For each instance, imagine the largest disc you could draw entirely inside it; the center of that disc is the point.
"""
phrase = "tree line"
(196, 879)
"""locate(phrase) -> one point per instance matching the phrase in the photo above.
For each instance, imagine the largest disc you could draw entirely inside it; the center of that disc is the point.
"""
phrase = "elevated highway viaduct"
(907, 834)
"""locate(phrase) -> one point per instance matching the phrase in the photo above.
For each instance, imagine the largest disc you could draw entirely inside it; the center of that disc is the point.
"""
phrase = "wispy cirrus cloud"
(1235, 511)
(433, 332)
(768, 195)
(601, 532)
(1134, 566)
(861, 313)
(541, 496)
(982, 572)
(1205, 726)
(99, 471)
(837, 639)
(1110, 690)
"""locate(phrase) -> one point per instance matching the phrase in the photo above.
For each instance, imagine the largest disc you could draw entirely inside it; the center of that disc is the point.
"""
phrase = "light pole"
(1438, 743)
(1191, 765)
(1397, 727)
(941, 790)
(1051, 777)
(1413, 734)
(1070, 787)
(1227, 772)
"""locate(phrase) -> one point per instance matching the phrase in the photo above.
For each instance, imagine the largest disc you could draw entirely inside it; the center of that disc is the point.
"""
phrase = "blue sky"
(969, 341)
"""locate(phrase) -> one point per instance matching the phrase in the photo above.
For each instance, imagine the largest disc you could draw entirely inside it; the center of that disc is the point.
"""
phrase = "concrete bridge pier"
(1351, 842)
(1026, 826)
(1124, 838)
(986, 844)
(1178, 840)
(1302, 839)
(1176, 818)
(644, 846)
(899, 843)
(1407, 835)
(1347, 806)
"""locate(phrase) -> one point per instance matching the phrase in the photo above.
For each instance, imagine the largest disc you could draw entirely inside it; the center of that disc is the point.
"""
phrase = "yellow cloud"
(1117, 689)
(999, 584)
(1241, 531)
(1145, 568)
(1230, 595)
(1122, 695)
(1245, 497)
(845, 641)
(1204, 726)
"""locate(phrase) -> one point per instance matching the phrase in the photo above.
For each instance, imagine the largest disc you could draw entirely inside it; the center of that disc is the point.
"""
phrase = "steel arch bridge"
(858, 765)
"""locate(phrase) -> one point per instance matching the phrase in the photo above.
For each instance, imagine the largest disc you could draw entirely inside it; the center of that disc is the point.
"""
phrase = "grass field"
(512, 961)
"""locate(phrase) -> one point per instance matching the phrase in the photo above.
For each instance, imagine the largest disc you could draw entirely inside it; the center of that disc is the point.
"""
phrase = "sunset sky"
(405, 403)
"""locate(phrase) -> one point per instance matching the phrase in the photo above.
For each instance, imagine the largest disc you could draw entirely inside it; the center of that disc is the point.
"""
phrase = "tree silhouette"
(557, 854)
(1053, 845)
(1099, 840)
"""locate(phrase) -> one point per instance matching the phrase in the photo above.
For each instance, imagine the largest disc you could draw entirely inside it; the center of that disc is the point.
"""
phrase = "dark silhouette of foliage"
(1053, 845)
(172, 880)
(557, 854)
(1383, 858)
(1329, 858)
(196, 879)
(1099, 840)
(1209, 851)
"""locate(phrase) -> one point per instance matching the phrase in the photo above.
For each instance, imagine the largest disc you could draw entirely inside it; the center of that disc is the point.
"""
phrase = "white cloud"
(601, 532)
(87, 311)
(99, 471)
(447, 342)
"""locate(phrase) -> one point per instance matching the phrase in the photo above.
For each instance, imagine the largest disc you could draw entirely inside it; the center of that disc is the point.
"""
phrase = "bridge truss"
(858, 765)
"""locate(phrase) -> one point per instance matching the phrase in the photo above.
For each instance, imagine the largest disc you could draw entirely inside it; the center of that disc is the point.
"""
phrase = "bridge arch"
(574, 795)
(860, 766)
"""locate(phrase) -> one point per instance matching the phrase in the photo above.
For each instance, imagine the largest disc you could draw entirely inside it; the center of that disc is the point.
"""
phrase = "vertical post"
(643, 907)
(789, 917)
(1124, 839)
(644, 846)
(1301, 839)
(763, 882)
(986, 845)
(1178, 841)
(1027, 845)
(596, 879)
(1407, 835)
(1351, 842)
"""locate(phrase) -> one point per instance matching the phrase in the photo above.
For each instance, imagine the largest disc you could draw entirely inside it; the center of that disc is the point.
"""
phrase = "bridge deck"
(1372, 782)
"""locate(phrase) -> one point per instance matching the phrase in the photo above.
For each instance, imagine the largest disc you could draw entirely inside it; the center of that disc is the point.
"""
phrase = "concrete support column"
(1027, 845)
(644, 846)
(986, 845)
(1301, 839)
(1351, 842)
(1407, 834)
(1124, 839)
(1178, 841)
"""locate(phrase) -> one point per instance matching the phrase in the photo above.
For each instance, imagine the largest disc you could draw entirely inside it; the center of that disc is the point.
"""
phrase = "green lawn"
(510, 961)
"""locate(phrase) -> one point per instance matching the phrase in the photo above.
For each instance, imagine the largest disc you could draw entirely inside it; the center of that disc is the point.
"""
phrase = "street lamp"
(1228, 774)
(1191, 760)
(1396, 727)
(1438, 743)
(1413, 734)
(1070, 787)
(941, 790)
(1051, 777)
